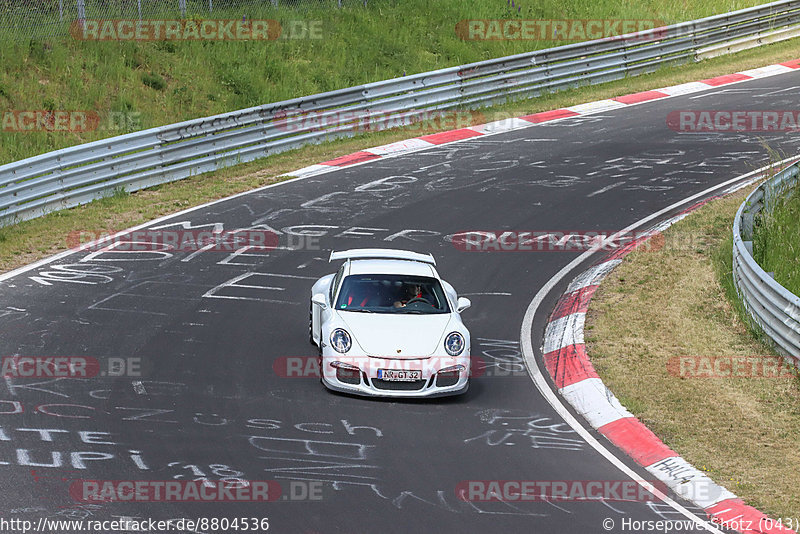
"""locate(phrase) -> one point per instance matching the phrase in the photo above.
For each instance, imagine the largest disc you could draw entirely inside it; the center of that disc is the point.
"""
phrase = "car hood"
(402, 336)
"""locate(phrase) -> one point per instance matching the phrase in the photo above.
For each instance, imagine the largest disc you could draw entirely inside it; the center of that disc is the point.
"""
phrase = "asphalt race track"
(209, 327)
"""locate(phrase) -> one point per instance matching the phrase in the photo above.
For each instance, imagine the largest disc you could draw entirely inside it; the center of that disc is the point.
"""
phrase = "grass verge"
(776, 241)
(680, 301)
(28, 241)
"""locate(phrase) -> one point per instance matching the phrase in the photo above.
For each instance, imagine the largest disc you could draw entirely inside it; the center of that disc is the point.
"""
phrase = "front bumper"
(365, 382)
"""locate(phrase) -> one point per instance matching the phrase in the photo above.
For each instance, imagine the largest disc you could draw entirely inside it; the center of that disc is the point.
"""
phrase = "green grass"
(776, 241)
(724, 269)
(158, 83)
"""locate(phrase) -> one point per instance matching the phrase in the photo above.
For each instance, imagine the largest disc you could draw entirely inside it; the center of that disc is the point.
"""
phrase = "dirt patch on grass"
(675, 302)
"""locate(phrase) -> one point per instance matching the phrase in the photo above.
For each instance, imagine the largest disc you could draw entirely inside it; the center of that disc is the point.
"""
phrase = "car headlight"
(340, 340)
(454, 343)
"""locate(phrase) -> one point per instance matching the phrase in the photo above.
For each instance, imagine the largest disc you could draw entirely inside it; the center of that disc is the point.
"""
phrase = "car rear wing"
(382, 254)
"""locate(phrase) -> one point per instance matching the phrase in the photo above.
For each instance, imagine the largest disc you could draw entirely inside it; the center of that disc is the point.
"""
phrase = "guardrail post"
(747, 225)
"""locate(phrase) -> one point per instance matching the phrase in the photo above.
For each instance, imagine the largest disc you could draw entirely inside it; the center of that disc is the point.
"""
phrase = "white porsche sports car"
(386, 324)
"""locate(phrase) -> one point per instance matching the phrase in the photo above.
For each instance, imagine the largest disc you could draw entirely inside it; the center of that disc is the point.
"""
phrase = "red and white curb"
(506, 125)
(564, 354)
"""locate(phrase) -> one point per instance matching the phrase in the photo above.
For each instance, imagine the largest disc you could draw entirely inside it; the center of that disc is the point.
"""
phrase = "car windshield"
(392, 293)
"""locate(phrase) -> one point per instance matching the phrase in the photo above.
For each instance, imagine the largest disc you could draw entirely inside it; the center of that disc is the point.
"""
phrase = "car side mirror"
(462, 304)
(319, 300)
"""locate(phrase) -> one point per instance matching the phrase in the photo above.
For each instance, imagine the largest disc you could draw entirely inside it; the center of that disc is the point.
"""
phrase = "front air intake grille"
(348, 376)
(447, 379)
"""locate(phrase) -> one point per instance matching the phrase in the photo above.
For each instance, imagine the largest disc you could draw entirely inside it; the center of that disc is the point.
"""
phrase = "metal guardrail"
(72, 176)
(773, 307)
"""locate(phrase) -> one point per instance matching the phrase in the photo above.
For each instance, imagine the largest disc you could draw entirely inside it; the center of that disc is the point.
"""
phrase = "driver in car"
(412, 291)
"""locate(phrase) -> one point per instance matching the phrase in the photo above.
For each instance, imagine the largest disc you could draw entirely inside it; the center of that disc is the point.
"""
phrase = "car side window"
(335, 283)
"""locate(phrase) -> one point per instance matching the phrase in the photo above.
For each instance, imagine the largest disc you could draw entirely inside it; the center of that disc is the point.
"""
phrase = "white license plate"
(399, 376)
